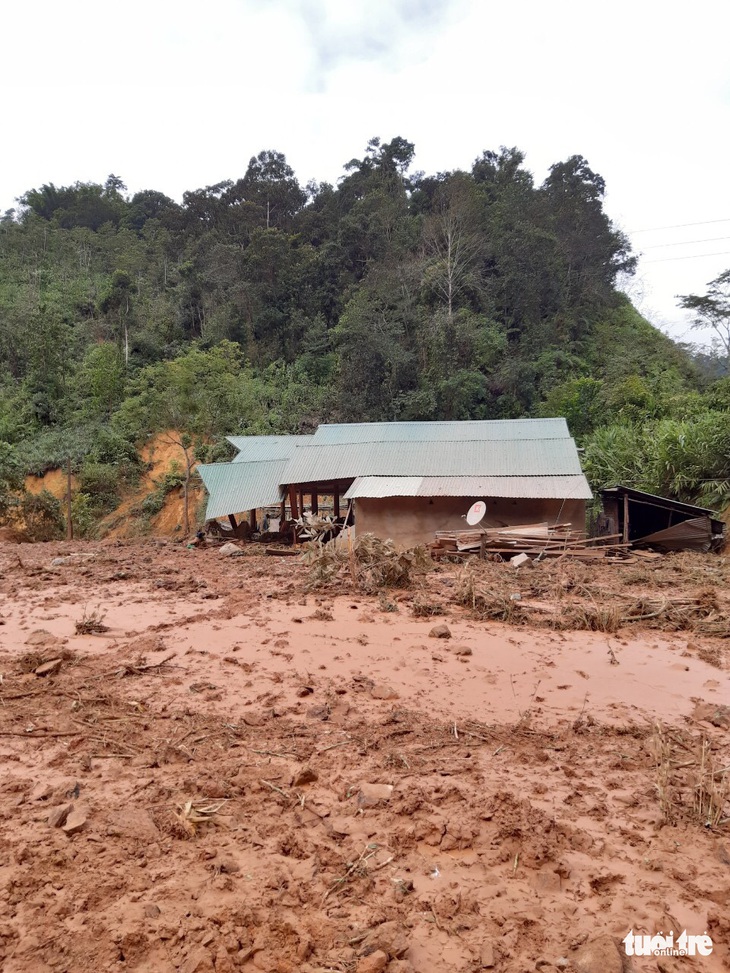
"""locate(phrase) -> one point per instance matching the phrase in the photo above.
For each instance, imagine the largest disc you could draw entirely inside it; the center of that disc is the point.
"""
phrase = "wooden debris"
(532, 540)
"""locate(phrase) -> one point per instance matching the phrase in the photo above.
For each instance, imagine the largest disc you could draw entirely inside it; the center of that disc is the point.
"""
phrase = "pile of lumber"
(535, 540)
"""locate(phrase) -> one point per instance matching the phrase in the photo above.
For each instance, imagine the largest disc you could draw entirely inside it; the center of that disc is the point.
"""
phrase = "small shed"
(645, 520)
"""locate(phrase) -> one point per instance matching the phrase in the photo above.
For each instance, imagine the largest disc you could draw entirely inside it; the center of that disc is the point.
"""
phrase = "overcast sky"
(178, 95)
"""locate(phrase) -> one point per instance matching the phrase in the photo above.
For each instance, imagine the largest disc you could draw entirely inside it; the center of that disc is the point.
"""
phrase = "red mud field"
(243, 774)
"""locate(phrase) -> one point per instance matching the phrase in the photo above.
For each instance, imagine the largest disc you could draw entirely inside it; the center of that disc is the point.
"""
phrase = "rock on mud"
(304, 775)
(228, 549)
(601, 955)
(75, 822)
(374, 963)
(372, 794)
(440, 632)
(382, 691)
(57, 817)
(49, 668)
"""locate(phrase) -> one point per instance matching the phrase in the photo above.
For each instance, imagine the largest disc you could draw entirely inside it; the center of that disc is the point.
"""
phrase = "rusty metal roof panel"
(403, 432)
(554, 457)
(266, 447)
(690, 535)
(573, 487)
(237, 487)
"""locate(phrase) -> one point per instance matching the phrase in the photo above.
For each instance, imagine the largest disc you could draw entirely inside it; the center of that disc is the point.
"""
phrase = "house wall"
(413, 520)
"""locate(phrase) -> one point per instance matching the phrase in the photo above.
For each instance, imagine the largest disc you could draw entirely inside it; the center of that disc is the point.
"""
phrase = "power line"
(686, 243)
(678, 226)
(694, 256)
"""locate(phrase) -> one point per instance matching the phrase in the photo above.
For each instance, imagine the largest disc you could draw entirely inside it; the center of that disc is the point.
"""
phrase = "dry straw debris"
(367, 563)
(690, 782)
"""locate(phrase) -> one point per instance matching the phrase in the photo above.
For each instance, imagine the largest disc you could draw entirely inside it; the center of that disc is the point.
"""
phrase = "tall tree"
(712, 310)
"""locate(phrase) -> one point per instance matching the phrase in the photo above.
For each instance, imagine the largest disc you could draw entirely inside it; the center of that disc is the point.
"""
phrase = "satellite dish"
(476, 513)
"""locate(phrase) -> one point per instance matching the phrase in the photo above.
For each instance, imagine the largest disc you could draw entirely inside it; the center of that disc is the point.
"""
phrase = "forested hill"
(258, 305)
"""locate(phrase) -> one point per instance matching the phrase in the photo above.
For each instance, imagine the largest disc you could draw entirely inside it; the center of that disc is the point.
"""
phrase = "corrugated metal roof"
(690, 535)
(554, 457)
(237, 487)
(266, 447)
(482, 429)
(532, 487)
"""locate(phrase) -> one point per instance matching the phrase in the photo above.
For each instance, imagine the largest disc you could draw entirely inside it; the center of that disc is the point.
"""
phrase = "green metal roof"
(266, 447)
(432, 432)
(236, 487)
(553, 457)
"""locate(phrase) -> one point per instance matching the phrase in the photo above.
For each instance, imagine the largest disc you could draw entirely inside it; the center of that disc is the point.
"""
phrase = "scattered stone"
(228, 549)
(57, 817)
(721, 717)
(462, 649)
(339, 712)
(305, 775)
(223, 962)
(229, 867)
(41, 792)
(305, 691)
(151, 910)
(199, 961)
(601, 955)
(343, 826)
(390, 937)
(486, 956)
(372, 794)
(43, 639)
(49, 668)
(75, 822)
(374, 963)
(440, 632)
(382, 691)
(319, 712)
(519, 559)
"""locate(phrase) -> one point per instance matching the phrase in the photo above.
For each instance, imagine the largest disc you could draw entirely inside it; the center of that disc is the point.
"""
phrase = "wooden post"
(315, 502)
(232, 521)
(336, 501)
(301, 503)
(282, 514)
(483, 547)
(69, 520)
(293, 503)
(252, 520)
(626, 519)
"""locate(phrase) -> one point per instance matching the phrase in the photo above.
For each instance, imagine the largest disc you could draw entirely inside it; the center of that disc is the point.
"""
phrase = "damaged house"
(407, 480)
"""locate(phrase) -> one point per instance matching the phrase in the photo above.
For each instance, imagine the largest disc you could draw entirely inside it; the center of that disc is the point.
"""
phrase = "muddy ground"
(243, 774)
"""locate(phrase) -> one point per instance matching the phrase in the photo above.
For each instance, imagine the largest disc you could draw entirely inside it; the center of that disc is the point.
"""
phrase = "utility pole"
(69, 521)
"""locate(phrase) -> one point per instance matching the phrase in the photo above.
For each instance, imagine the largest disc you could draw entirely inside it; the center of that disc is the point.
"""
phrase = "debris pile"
(535, 540)
(366, 562)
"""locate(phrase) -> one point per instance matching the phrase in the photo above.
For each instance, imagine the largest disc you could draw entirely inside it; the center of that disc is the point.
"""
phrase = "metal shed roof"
(554, 457)
(266, 447)
(483, 429)
(236, 487)
(533, 487)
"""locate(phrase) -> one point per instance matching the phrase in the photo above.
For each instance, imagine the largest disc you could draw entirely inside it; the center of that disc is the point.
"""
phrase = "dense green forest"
(258, 305)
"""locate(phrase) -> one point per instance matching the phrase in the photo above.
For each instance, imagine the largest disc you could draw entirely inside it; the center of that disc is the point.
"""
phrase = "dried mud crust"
(165, 809)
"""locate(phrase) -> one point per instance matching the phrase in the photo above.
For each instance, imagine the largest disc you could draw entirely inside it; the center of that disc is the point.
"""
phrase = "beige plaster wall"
(413, 520)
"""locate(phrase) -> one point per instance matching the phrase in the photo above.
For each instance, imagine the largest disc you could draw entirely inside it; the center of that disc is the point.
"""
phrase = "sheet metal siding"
(556, 457)
(512, 487)
(236, 487)
(256, 448)
(484, 430)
